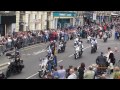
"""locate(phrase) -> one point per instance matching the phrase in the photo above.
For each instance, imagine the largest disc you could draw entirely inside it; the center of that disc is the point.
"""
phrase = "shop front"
(63, 19)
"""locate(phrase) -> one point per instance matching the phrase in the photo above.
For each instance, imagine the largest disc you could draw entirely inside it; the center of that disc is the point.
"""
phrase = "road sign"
(94, 16)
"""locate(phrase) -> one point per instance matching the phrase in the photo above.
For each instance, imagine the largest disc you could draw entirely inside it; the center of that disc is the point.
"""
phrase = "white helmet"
(54, 41)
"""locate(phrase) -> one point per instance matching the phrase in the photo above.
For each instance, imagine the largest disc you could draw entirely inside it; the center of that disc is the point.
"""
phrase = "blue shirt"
(55, 74)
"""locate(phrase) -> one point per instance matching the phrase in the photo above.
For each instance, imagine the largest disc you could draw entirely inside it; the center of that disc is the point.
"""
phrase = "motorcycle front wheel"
(41, 74)
(75, 56)
(8, 73)
(91, 50)
(59, 51)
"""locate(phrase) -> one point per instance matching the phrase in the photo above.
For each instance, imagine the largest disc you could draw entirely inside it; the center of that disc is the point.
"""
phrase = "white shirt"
(93, 42)
(72, 76)
(9, 40)
(108, 55)
(89, 38)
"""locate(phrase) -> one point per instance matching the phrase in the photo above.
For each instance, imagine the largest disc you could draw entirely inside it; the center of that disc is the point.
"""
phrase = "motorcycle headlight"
(8, 63)
(39, 64)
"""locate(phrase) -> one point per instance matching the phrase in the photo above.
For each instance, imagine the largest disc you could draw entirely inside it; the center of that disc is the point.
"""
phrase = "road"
(32, 54)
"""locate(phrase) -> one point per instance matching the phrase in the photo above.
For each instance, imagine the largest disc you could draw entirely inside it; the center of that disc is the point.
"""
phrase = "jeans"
(49, 66)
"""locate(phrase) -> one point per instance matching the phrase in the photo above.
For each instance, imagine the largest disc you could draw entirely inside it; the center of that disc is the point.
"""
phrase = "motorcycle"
(93, 49)
(14, 67)
(78, 53)
(105, 39)
(61, 48)
(43, 67)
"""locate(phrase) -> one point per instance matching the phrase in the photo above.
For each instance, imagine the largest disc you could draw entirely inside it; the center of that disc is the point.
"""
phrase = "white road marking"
(60, 61)
(32, 75)
(36, 53)
(28, 54)
(83, 49)
(31, 47)
(38, 72)
(70, 55)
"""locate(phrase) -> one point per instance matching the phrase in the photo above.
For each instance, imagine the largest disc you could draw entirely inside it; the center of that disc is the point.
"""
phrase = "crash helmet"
(51, 41)
(54, 41)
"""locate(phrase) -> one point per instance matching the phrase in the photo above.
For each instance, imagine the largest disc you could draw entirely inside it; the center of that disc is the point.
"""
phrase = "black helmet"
(101, 53)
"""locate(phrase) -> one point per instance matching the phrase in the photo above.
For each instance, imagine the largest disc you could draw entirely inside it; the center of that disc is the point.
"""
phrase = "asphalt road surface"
(32, 54)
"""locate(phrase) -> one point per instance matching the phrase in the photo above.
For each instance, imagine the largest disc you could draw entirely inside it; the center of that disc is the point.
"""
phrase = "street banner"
(94, 16)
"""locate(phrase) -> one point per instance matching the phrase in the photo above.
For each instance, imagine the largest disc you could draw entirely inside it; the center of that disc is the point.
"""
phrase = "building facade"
(40, 20)
(7, 22)
(31, 20)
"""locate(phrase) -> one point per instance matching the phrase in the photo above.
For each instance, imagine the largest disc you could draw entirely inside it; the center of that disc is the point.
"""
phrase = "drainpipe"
(5, 30)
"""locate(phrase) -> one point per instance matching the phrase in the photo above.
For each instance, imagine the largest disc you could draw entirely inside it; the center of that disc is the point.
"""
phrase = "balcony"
(22, 12)
(7, 13)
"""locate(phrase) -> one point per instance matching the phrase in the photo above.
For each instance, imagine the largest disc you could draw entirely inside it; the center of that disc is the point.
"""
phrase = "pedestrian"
(89, 74)
(72, 74)
(62, 73)
(81, 71)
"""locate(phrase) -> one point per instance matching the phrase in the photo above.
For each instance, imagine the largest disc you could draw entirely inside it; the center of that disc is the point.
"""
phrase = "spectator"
(55, 74)
(116, 73)
(49, 76)
(72, 75)
(89, 74)
(68, 70)
(81, 71)
(62, 73)
(76, 72)
(103, 76)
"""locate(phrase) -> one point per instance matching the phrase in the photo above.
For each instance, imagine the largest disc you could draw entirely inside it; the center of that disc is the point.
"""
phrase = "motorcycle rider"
(88, 39)
(52, 61)
(94, 42)
(81, 45)
(52, 47)
(105, 36)
(76, 41)
(61, 45)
